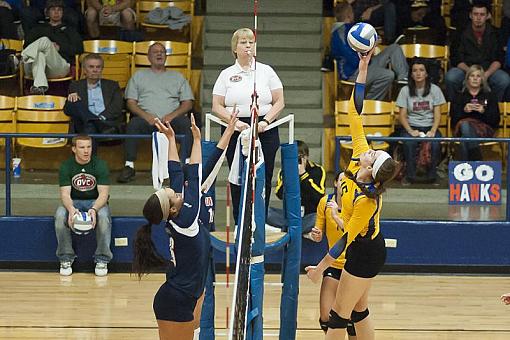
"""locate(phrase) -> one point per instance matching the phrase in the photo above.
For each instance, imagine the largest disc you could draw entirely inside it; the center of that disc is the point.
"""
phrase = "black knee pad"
(358, 316)
(350, 329)
(324, 325)
(336, 321)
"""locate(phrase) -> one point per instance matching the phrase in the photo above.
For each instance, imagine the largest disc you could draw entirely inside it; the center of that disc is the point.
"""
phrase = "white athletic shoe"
(65, 268)
(101, 269)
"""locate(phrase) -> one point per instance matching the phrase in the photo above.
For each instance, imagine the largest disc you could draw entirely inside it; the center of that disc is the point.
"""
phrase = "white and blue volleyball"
(362, 37)
(82, 223)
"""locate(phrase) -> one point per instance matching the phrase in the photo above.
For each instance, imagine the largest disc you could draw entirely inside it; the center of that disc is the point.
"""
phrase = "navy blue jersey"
(207, 208)
(189, 240)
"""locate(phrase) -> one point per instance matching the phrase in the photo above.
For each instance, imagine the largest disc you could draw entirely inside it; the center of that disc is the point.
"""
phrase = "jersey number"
(172, 254)
(211, 215)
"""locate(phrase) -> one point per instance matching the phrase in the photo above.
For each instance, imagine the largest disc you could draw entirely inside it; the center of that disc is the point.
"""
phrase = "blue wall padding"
(292, 253)
(32, 239)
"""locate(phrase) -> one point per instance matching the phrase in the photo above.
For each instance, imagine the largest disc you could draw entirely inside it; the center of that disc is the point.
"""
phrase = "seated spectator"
(377, 13)
(380, 77)
(109, 12)
(421, 13)
(419, 114)
(475, 113)
(87, 195)
(478, 44)
(8, 13)
(311, 178)
(95, 104)
(155, 93)
(36, 13)
(50, 48)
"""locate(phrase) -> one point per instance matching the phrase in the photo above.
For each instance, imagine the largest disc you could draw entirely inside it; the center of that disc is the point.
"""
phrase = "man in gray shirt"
(155, 93)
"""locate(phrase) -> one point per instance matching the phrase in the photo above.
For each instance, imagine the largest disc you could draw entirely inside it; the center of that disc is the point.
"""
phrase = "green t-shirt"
(84, 178)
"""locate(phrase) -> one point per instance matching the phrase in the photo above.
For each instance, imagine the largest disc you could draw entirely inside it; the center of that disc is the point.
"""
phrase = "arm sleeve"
(220, 89)
(113, 109)
(279, 186)
(64, 178)
(274, 81)
(320, 221)
(176, 176)
(185, 93)
(103, 173)
(192, 195)
(491, 115)
(312, 183)
(364, 209)
(359, 140)
(132, 87)
(211, 162)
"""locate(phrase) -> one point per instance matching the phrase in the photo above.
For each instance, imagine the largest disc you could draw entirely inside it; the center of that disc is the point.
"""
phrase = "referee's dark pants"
(270, 141)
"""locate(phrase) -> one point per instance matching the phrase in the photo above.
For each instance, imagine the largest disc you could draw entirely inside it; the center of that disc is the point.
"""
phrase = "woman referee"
(361, 188)
(189, 242)
(234, 87)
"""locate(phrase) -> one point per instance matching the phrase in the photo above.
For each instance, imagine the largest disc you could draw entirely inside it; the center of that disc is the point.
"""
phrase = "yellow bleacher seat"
(7, 125)
(41, 114)
(117, 56)
(178, 56)
(16, 45)
(438, 52)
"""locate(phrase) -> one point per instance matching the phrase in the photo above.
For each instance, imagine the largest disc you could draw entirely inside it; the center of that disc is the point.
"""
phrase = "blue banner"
(474, 183)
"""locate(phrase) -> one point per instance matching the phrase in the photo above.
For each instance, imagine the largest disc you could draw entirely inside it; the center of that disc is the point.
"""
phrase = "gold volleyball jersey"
(359, 213)
(329, 228)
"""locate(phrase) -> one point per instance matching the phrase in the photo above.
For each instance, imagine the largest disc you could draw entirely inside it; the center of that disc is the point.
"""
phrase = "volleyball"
(82, 223)
(362, 37)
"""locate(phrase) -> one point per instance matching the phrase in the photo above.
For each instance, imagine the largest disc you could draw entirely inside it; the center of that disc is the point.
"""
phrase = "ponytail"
(146, 258)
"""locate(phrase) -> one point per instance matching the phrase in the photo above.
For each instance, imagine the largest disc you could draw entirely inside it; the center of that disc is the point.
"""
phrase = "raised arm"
(359, 141)
(196, 150)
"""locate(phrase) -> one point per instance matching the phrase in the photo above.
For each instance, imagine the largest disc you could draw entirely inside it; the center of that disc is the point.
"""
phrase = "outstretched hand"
(195, 131)
(364, 58)
(165, 128)
(231, 127)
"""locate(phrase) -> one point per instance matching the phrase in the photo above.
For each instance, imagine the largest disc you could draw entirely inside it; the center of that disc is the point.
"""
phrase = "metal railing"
(8, 154)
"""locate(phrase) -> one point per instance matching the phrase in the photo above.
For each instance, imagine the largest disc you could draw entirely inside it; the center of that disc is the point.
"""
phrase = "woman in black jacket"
(475, 113)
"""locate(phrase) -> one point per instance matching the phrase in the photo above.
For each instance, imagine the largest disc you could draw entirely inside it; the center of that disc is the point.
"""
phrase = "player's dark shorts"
(365, 257)
(173, 305)
(333, 273)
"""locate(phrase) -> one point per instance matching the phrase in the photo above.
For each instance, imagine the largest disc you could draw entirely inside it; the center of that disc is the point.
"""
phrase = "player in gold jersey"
(328, 223)
(364, 245)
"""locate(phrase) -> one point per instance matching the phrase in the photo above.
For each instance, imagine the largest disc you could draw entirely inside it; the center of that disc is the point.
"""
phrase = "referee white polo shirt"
(236, 85)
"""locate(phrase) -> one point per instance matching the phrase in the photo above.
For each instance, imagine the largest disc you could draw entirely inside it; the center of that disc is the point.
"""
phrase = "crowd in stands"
(475, 80)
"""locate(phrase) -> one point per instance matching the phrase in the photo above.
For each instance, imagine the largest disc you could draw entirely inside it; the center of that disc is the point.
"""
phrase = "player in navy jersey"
(184, 208)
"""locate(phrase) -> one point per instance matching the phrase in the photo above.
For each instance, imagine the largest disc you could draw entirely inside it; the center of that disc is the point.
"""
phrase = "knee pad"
(324, 325)
(336, 321)
(358, 316)
(350, 329)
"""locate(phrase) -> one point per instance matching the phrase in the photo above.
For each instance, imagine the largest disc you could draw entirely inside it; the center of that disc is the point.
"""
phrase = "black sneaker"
(126, 175)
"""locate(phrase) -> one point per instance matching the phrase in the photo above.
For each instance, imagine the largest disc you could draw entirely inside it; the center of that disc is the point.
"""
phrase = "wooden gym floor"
(46, 306)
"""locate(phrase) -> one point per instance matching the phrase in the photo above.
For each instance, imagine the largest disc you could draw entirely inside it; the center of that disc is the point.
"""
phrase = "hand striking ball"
(362, 37)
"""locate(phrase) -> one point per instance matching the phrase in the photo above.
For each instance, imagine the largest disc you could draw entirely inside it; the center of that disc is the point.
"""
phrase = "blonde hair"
(472, 69)
(239, 34)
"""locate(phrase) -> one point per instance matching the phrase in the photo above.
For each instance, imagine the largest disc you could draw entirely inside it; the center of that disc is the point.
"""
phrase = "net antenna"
(240, 300)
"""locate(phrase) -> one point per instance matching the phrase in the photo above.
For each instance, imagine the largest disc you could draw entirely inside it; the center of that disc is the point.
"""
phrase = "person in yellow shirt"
(364, 247)
(328, 224)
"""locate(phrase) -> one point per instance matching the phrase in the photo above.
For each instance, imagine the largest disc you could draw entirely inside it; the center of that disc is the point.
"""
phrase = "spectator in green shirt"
(84, 187)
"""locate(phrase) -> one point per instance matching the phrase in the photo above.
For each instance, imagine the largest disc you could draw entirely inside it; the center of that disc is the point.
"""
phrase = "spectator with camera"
(84, 190)
(312, 177)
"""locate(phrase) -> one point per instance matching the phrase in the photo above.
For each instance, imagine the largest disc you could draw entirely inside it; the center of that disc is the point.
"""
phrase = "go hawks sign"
(475, 182)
